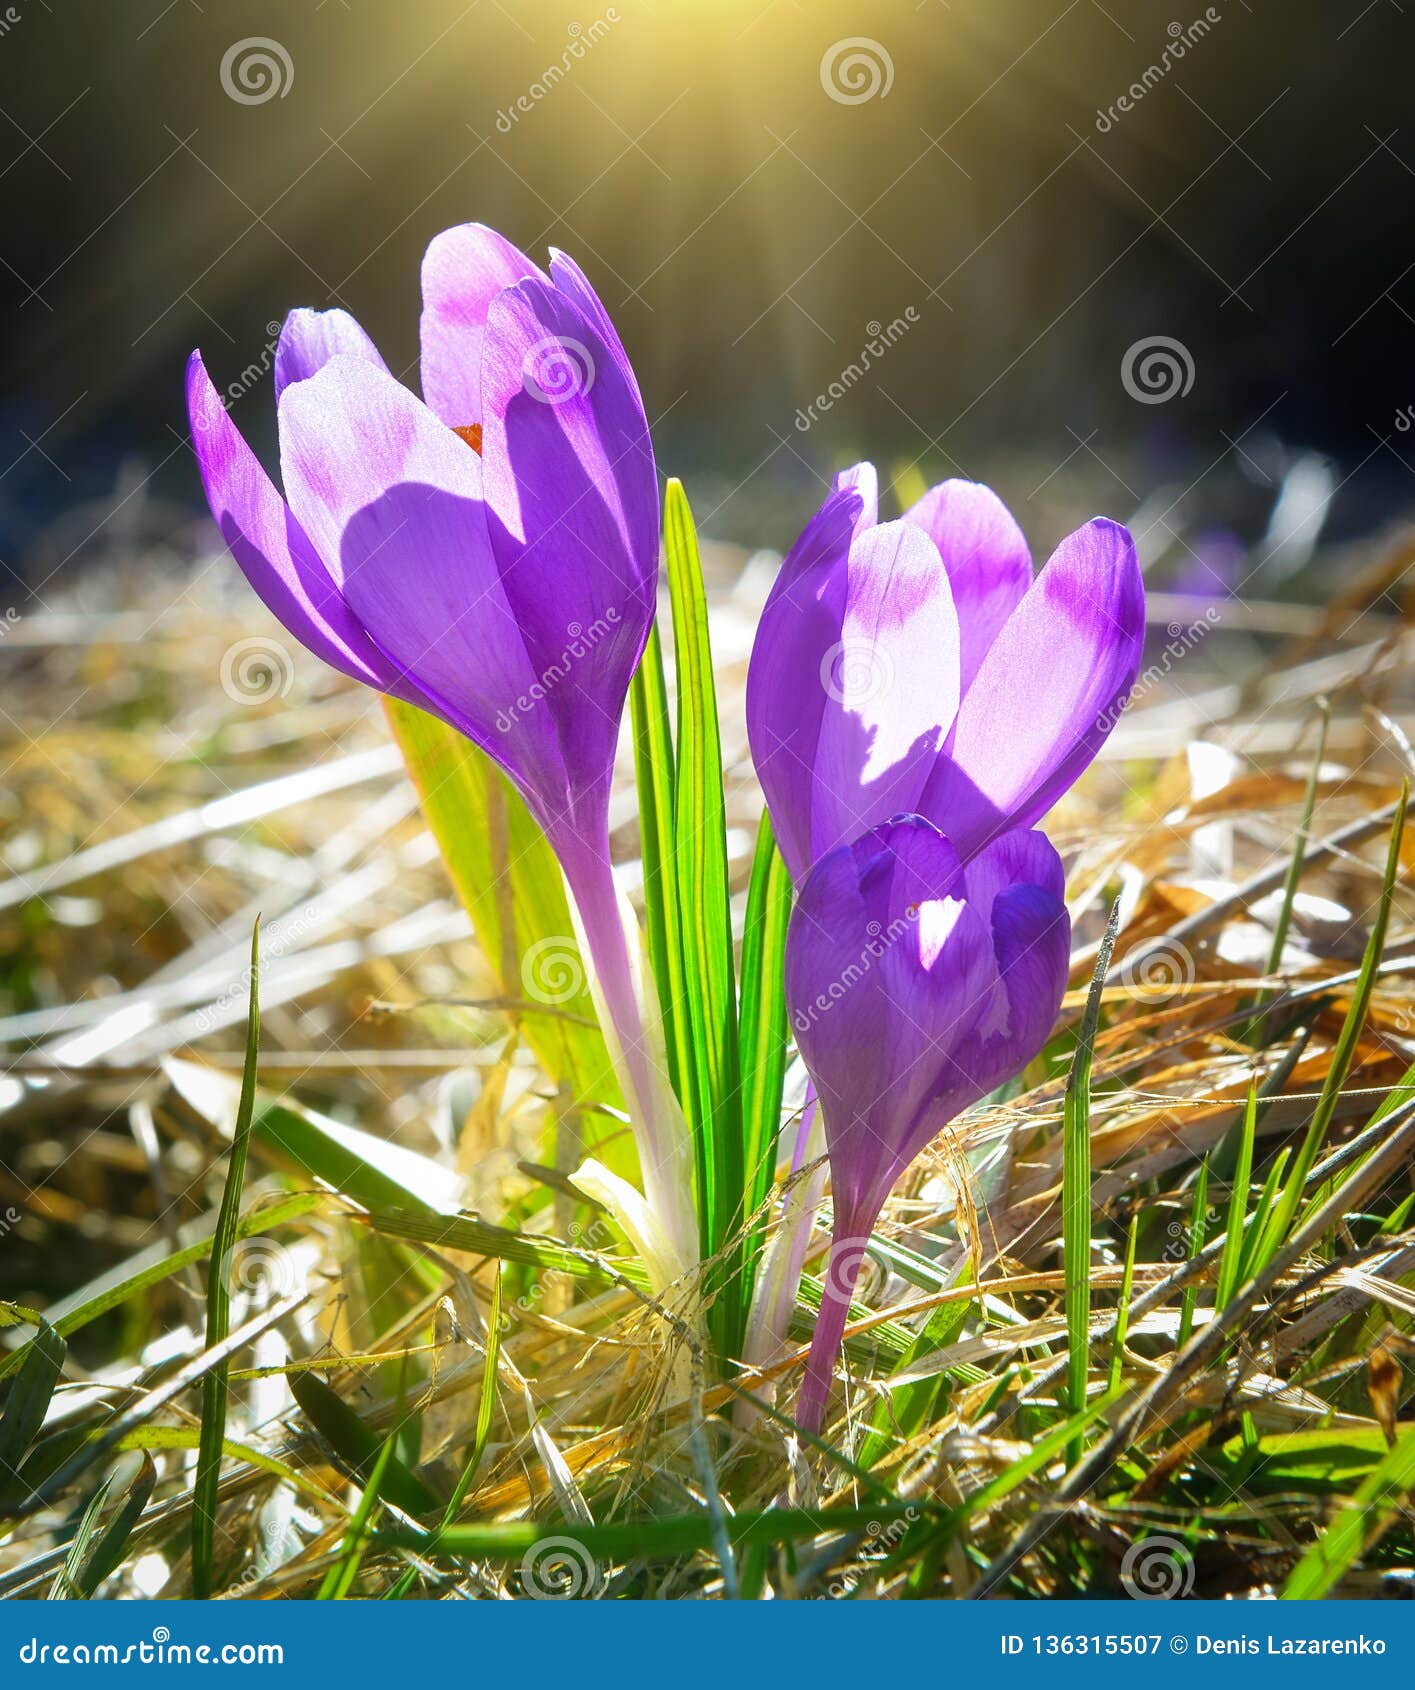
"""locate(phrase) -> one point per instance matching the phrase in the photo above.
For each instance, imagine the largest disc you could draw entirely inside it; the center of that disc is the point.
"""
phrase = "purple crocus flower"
(916, 983)
(917, 666)
(488, 552)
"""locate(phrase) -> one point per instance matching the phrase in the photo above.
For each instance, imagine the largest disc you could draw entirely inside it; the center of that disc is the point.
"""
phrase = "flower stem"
(847, 1253)
(657, 1126)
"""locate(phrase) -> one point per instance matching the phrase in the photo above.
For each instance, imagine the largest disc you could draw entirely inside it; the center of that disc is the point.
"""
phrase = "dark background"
(744, 229)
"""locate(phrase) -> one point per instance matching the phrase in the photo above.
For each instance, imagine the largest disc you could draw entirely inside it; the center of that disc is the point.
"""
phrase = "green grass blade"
(763, 1028)
(96, 1554)
(1294, 871)
(656, 772)
(1252, 1252)
(710, 1000)
(40, 1368)
(486, 1403)
(1358, 1526)
(1076, 1180)
(1287, 1205)
(359, 1448)
(1122, 1309)
(1232, 1255)
(124, 1289)
(1198, 1227)
(339, 1580)
(215, 1387)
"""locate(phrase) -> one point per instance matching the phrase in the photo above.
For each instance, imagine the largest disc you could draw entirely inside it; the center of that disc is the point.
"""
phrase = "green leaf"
(40, 1369)
(96, 1554)
(1379, 1496)
(358, 1447)
(1285, 1210)
(763, 1032)
(1076, 1180)
(339, 1580)
(123, 1289)
(215, 1387)
(656, 774)
(1232, 1256)
(509, 881)
(705, 920)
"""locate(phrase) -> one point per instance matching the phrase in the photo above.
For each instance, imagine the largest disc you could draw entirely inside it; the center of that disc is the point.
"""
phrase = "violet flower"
(916, 984)
(917, 666)
(488, 553)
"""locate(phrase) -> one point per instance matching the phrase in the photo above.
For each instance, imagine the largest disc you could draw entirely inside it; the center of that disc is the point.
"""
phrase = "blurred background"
(1101, 254)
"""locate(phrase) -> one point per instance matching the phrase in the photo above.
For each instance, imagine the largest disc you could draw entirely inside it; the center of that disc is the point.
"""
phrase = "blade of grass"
(30, 1395)
(1122, 1307)
(1232, 1256)
(1377, 1499)
(700, 846)
(1198, 1226)
(95, 1555)
(358, 1447)
(1076, 1181)
(486, 1402)
(215, 1387)
(763, 1032)
(339, 1580)
(1285, 1210)
(1294, 871)
(655, 772)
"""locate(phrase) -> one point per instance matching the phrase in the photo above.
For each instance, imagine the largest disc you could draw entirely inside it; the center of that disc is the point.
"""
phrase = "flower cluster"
(916, 700)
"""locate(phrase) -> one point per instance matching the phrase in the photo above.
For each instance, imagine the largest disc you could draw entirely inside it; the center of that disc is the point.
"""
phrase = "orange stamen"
(471, 433)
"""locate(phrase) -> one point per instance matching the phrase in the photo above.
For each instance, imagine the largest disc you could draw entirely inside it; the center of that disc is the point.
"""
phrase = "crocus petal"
(463, 271)
(862, 479)
(785, 703)
(273, 550)
(572, 497)
(310, 339)
(870, 623)
(571, 280)
(985, 554)
(393, 501)
(1048, 692)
